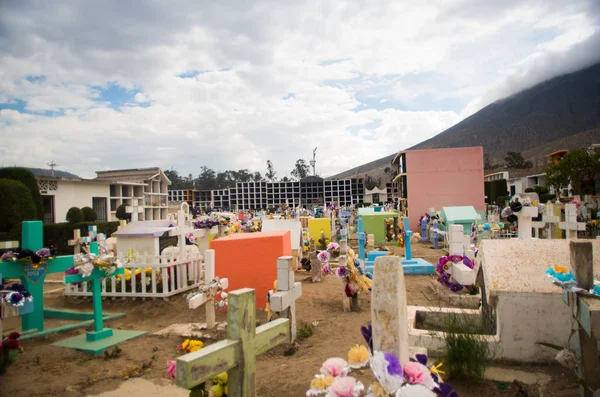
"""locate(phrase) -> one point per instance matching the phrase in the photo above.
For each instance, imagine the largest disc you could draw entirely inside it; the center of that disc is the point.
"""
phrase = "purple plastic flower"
(71, 271)
(456, 258)
(445, 390)
(444, 278)
(367, 333)
(468, 262)
(7, 256)
(394, 367)
(341, 272)
(326, 269)
(43, 253)
(455, 287)
(323, 256)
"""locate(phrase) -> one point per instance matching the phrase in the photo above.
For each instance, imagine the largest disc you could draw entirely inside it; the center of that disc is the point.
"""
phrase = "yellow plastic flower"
(436, 370)
(217, 390)
(318, 384)
(221, 378)
(148, 271)
(358, 356)
(560, 269)
(377, 390)
(328, 380)
(191, 345)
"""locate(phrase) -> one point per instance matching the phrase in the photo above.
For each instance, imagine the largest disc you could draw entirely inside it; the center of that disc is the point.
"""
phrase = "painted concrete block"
(463, 274)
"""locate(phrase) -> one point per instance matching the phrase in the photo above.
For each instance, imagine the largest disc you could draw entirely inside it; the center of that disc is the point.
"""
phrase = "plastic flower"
(323, 256)
(333, 246)
(335, 367)
(376, 390)
(326, 269)
(319, 385)
(171, 367)
(358, 357)
(15, 298)
(341, 272)
(190, 345)
(7, 255)
(417, 373)
(387, 370)
(345, 386)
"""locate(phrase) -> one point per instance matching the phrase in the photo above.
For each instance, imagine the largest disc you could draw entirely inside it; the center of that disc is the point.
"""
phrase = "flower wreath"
(84, 264)
(15, 295)
(445, 264)
(352, 274)
(37, 258)
(416, 378)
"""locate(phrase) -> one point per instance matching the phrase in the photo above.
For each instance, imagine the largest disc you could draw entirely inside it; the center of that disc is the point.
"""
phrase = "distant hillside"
(561, 113)
(57, 174)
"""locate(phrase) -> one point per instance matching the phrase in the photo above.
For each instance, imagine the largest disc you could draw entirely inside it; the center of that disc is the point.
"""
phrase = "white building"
(517, 180)
(61, 191)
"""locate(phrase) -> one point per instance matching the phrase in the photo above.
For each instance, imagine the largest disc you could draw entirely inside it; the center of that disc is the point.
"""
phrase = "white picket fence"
(169, 276)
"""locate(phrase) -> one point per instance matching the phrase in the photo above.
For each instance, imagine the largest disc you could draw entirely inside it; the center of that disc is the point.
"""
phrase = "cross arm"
(60, 263)
(199, 366)
(11, 269)
(272, 334)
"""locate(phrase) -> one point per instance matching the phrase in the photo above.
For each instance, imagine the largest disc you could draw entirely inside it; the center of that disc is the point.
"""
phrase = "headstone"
(459, 245)
(283, 301)
(236, 354)
(76, 242)
(407, 244)
(526, 216)
(389, 313)
(361, 239)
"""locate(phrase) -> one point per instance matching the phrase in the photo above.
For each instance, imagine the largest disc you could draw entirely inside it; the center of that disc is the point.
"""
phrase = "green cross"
(237, 354)
(33, 278)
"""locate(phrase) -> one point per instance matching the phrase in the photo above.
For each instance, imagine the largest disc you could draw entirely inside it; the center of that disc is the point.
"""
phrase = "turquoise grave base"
(83, 342)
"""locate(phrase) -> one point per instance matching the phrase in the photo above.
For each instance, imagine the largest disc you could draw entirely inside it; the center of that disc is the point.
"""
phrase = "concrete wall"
(140, 245)
(444, 177)
(77, 194)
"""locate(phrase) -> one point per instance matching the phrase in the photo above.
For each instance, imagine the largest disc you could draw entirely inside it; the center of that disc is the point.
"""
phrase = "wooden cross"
(389, 312)
(236, 354)
(208, 299)
(134, 210)
(586, 311)
(570, 225)
(283, 301)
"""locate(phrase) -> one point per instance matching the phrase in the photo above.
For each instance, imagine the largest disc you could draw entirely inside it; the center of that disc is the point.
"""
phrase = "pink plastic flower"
(335, 367)
(417, 373)
(345, 386)
(171, 366)
(323, 256)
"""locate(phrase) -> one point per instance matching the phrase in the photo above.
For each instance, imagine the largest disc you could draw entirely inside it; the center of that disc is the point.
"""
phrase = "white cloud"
(419, 68)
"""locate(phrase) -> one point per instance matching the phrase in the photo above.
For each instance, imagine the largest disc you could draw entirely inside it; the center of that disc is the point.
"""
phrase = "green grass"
(467, 352)
(306, 331)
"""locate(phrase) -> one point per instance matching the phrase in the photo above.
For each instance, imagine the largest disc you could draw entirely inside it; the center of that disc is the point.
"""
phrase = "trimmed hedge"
(122, 214)
(27, 178)
(74, 215)
(16, 206)
(59, 234)
(89, 215)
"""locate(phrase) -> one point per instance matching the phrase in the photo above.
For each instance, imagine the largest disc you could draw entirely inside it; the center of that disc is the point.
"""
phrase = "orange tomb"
(249, 260)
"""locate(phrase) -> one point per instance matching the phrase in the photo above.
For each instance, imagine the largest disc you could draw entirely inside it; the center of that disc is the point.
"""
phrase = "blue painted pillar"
(361, 239)
(424, 229)
(407, 235)
(436, 236)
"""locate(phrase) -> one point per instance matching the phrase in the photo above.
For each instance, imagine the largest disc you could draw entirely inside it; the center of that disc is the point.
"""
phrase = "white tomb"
(460, 245)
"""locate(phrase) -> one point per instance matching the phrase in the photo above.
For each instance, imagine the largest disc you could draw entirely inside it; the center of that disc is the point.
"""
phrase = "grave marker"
(586, 313)
(570, 225)
(134, 210)
(237, 354)
(283, 301)
(361, 239)
(100, 338)
(315, 264)
(76, 242)
(526, 216)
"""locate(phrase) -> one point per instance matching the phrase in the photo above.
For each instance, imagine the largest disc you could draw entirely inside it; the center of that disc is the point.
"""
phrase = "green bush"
(74, 215)
(27, 178)
(541, 190)
(59, 234)
(544, 198)
(468, 353)
(16, 206)
(89, 215)
(530, 190)
(501, 200)
(122, 214)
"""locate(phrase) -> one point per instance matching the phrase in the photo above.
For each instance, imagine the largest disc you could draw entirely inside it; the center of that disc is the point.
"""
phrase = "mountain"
(560, 113)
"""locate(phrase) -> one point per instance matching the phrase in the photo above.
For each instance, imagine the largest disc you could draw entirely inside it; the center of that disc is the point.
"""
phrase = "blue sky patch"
(117, 96)
(36, 79)
(290, 95)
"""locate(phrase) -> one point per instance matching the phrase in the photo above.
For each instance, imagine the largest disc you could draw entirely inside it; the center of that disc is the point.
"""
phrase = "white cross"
(76, 242)
(208, 298)
(283, 302)
(570, 225)
(134, 210)
(526, 216)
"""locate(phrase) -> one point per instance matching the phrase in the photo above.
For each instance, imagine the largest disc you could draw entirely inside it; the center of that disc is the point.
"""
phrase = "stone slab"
(190, 329)
(519, 265)
(509, 375)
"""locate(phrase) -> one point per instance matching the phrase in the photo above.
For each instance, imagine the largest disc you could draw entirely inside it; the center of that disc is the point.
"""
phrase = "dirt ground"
(44, 370)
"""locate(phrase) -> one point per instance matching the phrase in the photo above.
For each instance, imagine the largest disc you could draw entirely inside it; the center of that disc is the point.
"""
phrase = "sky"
(113, 84)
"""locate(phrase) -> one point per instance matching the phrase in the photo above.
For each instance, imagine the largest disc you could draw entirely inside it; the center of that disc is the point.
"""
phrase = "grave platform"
(82, 342)
(248, 260)
(460, 299)
(413, 266)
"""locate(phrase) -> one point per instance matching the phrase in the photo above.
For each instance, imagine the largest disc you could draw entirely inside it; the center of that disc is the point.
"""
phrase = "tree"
(370, 182)
(390, 173)
(89, 215)
(74, 215)
(17, 205)
(122, 214)
(27, 178)
(207, 179)
(300, 170)
(257, 177)
(270, 175)
(285, 179)
(516, 160)
(578, 168)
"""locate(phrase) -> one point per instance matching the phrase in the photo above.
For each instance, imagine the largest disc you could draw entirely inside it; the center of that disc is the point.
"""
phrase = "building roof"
(459, 214)
(311, 179)
(134, 174)
(146, 228)
(515, 173)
